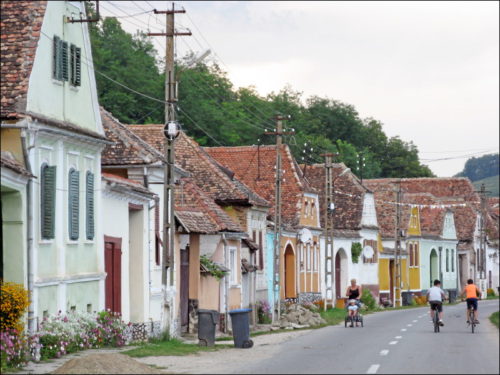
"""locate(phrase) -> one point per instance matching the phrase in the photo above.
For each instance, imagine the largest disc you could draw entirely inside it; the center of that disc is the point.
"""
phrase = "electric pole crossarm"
(170, 34)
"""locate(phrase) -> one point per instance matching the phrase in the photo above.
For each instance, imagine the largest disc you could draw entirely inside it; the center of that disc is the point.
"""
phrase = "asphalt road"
(393, 342)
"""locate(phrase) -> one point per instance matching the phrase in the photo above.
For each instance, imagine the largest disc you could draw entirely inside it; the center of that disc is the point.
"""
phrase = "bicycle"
(472, 321)
(435, 320)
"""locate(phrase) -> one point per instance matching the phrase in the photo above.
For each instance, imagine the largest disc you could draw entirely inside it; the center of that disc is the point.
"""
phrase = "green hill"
(491, 184)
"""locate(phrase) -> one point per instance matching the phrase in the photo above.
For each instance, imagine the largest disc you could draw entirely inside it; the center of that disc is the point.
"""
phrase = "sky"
(429, 71)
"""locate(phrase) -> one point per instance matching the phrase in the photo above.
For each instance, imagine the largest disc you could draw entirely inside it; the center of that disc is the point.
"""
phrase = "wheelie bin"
(207, 320)
(240, 319)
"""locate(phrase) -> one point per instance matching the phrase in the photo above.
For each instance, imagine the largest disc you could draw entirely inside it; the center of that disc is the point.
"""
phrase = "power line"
(455, 157)
(199, 127)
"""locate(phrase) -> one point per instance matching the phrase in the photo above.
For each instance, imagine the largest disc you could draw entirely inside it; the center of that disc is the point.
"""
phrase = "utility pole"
(277, 217)
(328, 231)
(481, 266)
(397, 295)
(171, 132)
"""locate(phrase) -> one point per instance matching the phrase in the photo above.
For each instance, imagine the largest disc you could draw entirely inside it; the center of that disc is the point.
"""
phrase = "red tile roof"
(127, 148)
(198, 213)
(348, 197)
(125, 183)
(21, 23)
(255, 166)
(7, 160)
(205, 171)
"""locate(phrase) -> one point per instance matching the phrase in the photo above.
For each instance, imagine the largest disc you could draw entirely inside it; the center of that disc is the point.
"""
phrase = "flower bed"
(63, 334)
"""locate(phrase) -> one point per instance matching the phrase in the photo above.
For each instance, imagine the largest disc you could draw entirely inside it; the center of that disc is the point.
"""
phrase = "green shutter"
(64, 61)
(75, 65)
(55, 57)
(90, 205)
(48, 201)
(73, 204)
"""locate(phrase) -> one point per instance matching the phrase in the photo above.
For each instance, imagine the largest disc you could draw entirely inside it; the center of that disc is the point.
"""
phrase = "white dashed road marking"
(403, 329)
(384, 352)
(414, 321)
(409, 325)
(373, 369)
(398, 337)
(393, 343)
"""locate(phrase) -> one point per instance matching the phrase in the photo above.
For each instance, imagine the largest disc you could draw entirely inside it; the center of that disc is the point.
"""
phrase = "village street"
(391, 342)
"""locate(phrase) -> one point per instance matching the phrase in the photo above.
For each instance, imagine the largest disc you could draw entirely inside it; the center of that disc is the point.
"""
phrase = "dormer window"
(66, 61)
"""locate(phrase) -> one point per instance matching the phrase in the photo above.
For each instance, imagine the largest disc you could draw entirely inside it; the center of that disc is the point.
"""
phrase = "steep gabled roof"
(205, 171)
(21, 24)
(8, 161)
(348, 197)
(127, 148)
(198, 213)
(255, 166)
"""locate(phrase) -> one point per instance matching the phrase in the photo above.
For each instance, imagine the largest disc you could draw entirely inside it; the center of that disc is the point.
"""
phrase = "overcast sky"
(429, 71)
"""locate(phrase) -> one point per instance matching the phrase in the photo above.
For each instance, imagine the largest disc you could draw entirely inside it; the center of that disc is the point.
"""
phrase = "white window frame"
(233, 262)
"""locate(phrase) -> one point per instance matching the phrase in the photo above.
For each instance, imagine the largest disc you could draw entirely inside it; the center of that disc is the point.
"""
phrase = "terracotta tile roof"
(198, 213)
(255, 166)
(7, 160)
(494, 218)
(126, 183)
(205, 171)
(21, 23)
(348, 197)
(127, 148)
(439, 191)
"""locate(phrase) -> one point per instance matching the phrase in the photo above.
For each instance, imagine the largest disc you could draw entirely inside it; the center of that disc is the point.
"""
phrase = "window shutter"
(73, 204)
(64, 61)
(75, 65)
(90, 205)
(48, 201)
(55, 57)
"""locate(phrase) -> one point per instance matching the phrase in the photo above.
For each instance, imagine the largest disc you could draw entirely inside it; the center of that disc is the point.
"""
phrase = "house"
(49, 110)
(493, 256)
(299, 249)
(245, 208)
(355, 222)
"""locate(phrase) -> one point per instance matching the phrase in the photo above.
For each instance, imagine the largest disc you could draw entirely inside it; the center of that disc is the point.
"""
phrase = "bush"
(356, 249)
(14, 301)
(368, 300)
(16, 349)
(490, 292)
(264, 312)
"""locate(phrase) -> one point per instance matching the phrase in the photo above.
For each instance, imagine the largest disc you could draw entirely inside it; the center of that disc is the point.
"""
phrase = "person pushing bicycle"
(436, 296)
(471, 292)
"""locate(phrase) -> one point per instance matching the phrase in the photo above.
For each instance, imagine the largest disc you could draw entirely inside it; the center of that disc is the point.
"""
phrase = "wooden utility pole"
(397, 294)
(328, 231)
(277, 217)
(171, 132)
(481, 266)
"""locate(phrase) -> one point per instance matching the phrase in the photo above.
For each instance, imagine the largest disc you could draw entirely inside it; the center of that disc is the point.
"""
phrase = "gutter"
(226, 284)
(29, 229)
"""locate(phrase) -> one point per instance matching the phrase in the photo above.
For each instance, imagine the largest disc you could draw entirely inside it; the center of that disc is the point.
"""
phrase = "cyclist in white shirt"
(435, 296)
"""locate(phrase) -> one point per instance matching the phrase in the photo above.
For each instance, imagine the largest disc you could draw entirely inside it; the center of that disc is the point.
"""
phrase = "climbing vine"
(212, 268)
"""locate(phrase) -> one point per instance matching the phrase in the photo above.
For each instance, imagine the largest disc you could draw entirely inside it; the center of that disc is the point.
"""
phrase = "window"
(59, 59)
(48, 201)
(411, 254)
(73, 204)
(452, 260)
(416, 255)
(373, 245)
(306, 208)
(313, 208)
(90, 205)
(315, 253)
(447, 260)
(308, 251)
(233, 265)
(75, 65)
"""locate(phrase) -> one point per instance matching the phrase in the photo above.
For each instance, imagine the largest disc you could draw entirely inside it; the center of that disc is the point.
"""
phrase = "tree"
(477, 168)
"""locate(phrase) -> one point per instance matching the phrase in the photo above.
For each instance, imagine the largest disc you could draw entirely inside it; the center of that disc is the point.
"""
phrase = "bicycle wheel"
(472, 321)
(436, 321)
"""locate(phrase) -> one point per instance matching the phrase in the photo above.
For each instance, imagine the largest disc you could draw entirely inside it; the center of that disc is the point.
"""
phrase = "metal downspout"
(226, 284)
(29, 227)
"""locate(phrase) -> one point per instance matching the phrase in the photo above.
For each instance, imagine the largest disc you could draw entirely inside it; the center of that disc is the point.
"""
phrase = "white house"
(49, 99)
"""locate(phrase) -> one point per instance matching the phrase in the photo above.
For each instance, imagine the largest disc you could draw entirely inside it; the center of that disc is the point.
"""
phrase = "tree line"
(210, 104)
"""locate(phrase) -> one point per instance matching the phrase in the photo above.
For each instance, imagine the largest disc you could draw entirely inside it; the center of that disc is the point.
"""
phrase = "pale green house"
(49, 96)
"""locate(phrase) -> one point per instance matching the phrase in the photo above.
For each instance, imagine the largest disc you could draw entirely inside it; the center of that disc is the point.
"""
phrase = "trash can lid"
(207, 311)
(239, 311)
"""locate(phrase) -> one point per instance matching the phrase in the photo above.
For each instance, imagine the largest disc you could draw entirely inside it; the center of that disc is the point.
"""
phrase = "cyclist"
(471, 292)
(435, 296)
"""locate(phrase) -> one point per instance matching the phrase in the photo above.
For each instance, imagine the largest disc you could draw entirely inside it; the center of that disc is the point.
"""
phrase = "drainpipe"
(29, 227)
(226, 284)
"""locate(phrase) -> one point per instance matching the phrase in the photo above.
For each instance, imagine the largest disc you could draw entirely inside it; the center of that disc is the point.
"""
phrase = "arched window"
(73, 204)
(447, 260)
(416, 255)
(411, 255)
(47, 201)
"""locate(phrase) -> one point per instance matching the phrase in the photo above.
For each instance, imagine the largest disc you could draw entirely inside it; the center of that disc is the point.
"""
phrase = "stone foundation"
(309, 297)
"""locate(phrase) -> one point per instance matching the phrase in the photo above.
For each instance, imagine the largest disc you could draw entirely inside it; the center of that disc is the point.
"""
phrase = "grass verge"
(495, 319)
(172, 347)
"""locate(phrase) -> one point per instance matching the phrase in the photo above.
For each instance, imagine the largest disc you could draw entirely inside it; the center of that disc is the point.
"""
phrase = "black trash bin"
(407, 297)
(207, 320)
(452, 295)
(240, 320)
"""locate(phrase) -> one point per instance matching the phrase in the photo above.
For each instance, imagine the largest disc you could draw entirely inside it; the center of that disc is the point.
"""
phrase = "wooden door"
(391, 281)
(113, 268)
(290, 286)
(338, 292)
(184, 297)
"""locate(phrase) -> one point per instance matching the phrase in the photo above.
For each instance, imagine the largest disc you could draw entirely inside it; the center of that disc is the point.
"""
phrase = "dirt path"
(225, 360)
